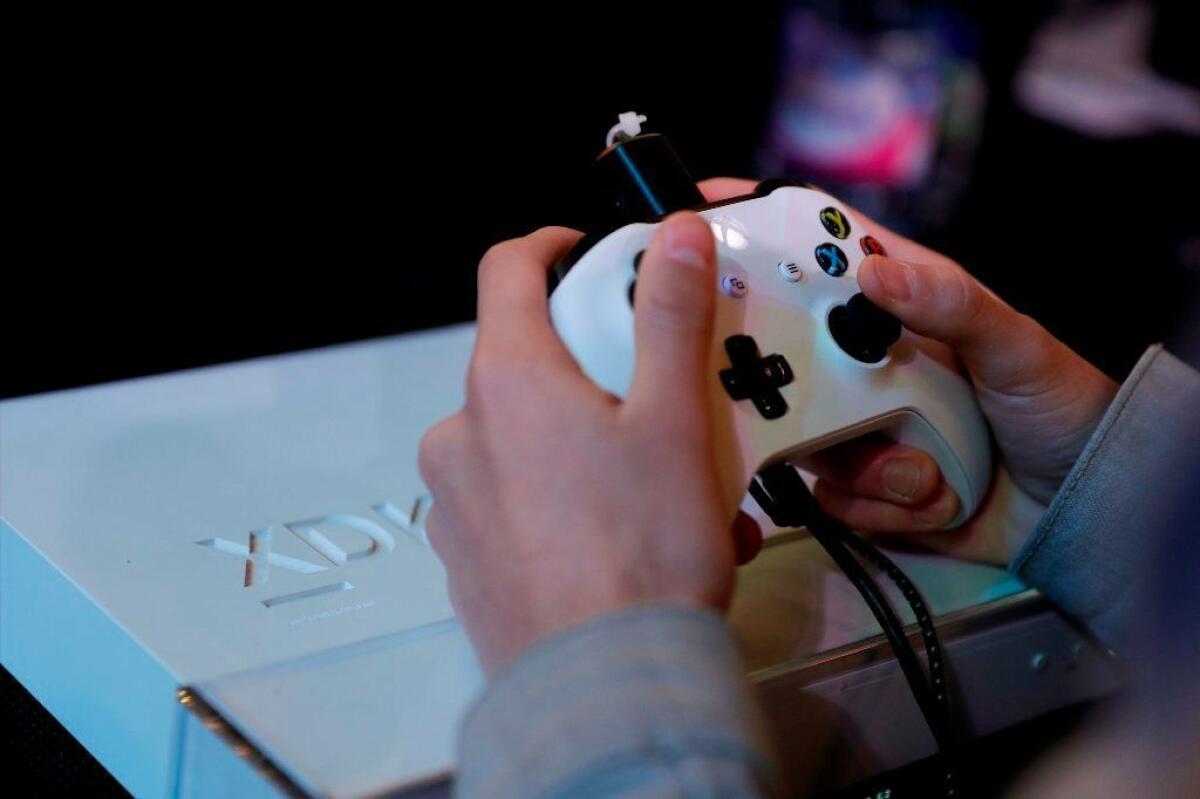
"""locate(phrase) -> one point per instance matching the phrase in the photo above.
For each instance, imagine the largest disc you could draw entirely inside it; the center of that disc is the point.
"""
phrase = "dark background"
(198, 189)
(202, 189)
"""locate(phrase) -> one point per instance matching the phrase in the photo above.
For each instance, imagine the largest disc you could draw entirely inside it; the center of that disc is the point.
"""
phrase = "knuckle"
(498, 255)
(505, 253)
(436, 531)
(966, 296)
(435, 449)
(554, 233)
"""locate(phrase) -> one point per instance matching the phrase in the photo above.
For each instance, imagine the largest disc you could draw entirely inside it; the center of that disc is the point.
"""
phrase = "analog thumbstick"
(863, 329)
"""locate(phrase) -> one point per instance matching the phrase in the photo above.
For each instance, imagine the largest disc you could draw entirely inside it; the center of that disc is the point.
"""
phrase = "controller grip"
(965, 461)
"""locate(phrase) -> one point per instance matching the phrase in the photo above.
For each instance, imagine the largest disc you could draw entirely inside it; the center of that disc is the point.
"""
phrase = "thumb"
(674, 302)
(1002, 348)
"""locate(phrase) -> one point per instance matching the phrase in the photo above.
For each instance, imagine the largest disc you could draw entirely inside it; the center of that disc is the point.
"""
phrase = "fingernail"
(901, 478)
(939, 512)
(688, 241)
(897, 278)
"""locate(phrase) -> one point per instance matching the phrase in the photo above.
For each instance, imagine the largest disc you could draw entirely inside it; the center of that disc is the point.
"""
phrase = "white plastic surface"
(143, 495)
(629, 124)
(915, 395)
(121, 486)
(129, 509)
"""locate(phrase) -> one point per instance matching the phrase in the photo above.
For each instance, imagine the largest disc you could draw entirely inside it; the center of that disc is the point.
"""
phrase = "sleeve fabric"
(1087, 551)
(654, 701)
(646, 702)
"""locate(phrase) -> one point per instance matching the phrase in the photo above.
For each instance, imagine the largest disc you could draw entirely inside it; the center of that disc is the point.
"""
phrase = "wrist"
(503, 639)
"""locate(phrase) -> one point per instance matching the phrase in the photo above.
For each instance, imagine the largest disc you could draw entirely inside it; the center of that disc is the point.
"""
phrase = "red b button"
(871, 246)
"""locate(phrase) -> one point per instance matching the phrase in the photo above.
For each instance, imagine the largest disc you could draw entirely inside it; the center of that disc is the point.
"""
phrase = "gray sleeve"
(645, 702)
(1086, 552)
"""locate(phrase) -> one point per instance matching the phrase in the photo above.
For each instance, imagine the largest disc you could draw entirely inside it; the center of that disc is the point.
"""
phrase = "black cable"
(782, 493)
(788, 492)
(933, 648)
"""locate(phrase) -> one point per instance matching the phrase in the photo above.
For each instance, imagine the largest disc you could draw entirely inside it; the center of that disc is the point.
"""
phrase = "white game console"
(253, 533)
(218, 582)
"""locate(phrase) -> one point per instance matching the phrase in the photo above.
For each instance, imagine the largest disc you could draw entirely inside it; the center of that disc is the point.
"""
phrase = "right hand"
(1042, 400)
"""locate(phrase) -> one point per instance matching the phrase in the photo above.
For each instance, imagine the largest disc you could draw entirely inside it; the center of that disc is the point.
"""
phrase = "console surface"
(325, 640)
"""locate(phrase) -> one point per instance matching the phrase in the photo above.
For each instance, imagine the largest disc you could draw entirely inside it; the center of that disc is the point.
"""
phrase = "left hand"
(555, 501)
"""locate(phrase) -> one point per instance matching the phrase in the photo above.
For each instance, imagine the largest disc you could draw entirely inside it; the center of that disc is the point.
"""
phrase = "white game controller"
(800, 359)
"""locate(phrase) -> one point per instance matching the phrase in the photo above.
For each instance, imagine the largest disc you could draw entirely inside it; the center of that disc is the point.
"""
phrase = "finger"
(513, 313)
(876, 468)
(717, 189)
(747, 538)
(902, 248)
(878, 516)
(673, 320)
(1003, 348)
(441, 453)
(439, 533)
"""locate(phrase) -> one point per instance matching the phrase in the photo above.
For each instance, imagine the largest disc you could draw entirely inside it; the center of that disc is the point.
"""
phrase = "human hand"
(555, 501)
(1041, 399)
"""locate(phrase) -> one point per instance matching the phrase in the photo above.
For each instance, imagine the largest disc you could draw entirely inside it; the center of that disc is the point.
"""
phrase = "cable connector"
(639, 178)
(629, 124)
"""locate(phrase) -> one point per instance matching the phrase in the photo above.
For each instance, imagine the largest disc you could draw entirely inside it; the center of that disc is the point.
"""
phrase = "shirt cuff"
(650, 699)
(1086, 551)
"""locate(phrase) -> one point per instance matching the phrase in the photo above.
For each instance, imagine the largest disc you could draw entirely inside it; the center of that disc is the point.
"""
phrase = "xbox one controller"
(800, 359)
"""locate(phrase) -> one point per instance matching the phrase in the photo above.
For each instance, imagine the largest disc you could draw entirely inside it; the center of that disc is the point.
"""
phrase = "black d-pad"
(756, 378)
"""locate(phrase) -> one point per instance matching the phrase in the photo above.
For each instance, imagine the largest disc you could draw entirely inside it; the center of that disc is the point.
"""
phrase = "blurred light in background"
(881, 103)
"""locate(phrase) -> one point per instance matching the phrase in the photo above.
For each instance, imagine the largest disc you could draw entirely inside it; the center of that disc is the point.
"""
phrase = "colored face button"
(832, 259)
(871, 246)
(835, 222)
